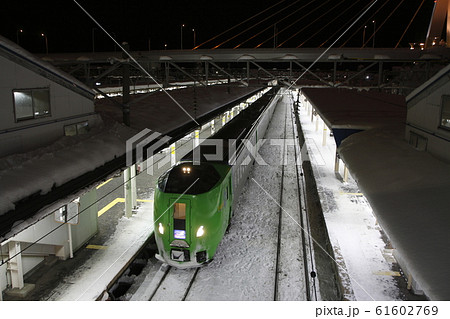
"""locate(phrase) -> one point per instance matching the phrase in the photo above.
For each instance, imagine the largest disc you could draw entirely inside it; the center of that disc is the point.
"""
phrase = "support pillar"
(325, 132)
(126, 87)
(127, 191)
(133, 186)
(345, 173)
(380, 74)
(15, 265)
(166, 79)
(334, 72)
(69, 230)
(196, 138)
(336, 163)
(173, 158)
(290, 71)
(213, 129)
(248, 73)
(317, 122)
(206, 72)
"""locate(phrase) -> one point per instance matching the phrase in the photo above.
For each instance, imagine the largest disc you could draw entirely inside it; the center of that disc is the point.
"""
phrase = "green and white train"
(194, 200)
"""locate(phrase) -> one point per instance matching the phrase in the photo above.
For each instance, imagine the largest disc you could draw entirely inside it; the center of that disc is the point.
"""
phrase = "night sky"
(153, 24)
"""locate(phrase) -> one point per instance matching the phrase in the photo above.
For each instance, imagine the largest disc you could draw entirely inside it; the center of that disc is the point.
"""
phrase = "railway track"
(292, 218)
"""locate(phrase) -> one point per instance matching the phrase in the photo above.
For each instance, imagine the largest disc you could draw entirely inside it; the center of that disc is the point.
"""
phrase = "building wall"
(57, 240)
(66, 107)
(423, 119)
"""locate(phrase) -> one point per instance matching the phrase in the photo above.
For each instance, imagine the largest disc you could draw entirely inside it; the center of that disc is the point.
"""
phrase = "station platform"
(86, 276)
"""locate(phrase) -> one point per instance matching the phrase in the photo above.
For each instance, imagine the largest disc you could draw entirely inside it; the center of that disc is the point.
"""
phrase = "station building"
(39, 105)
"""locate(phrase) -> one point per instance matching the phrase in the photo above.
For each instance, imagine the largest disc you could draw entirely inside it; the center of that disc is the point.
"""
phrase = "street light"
(46, 42)
(181, 35)
(364, 35)
(374, 30)
(193, 30)
(17, 35)
(165, 46)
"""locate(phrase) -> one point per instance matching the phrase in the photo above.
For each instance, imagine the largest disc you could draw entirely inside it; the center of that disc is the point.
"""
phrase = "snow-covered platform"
(409, 191)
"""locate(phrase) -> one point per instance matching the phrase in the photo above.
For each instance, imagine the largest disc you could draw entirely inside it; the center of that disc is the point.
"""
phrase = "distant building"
(39, 103)
(428, 119)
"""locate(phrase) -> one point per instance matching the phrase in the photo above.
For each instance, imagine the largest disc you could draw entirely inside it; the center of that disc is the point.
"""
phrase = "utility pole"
(126, 86)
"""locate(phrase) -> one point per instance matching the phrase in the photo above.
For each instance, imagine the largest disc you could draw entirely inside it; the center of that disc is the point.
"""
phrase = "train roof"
(232, 133)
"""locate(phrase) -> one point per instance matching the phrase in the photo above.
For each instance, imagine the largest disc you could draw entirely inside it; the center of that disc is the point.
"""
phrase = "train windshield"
(187, 178)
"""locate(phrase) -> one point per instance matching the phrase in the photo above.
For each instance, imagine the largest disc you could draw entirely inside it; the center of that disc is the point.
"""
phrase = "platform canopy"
(347, 111)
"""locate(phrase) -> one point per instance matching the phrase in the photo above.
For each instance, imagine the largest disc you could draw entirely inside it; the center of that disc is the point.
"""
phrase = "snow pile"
(409, 192)
(38, 171)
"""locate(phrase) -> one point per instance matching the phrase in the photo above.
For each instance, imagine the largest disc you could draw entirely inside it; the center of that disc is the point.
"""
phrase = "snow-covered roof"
(353, 109)
(439, 79)
(19, 55)
(408, 191)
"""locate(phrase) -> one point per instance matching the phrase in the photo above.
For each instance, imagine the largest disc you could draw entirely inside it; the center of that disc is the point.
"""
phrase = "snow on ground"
(38, 171)
(356, 238)
(89, 281)
(409, 191)
(244, 264)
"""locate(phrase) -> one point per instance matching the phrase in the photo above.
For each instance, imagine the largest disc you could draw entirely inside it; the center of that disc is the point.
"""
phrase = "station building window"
(31, 103)
(445, 112)
(76, 129)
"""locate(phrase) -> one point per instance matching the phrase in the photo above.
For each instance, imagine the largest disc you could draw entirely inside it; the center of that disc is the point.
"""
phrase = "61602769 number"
(407, 310)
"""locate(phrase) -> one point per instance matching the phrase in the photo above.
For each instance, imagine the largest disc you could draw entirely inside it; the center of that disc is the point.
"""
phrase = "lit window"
(179, 220)
(31, 103)
(445, 111)
(179, 211)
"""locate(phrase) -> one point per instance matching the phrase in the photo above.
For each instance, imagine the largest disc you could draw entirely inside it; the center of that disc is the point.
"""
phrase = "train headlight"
(200, 231)
(161, 229)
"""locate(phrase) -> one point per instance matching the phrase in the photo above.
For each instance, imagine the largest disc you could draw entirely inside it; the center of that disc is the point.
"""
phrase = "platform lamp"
(46, 42)
(181, 36)
(17, 34)
(374, 31)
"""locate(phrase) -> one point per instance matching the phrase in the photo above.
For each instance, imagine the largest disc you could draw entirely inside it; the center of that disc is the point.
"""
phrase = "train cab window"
(179, 211)
(179, 217)
(190, 179)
